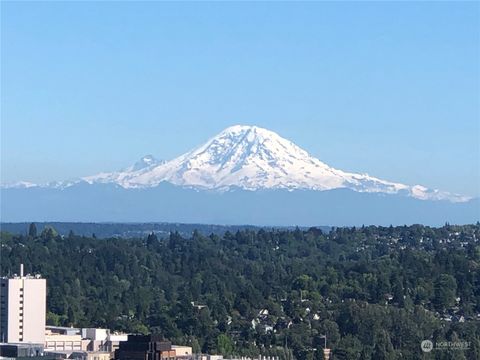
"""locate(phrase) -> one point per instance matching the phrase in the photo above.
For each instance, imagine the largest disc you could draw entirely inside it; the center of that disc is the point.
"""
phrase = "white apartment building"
(23, 303)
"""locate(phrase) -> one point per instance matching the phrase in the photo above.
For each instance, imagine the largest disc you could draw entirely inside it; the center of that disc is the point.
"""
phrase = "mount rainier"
(253, 158)
(245, 174)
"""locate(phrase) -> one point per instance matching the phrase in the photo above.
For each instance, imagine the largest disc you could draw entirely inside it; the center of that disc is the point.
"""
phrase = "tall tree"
(32, 230)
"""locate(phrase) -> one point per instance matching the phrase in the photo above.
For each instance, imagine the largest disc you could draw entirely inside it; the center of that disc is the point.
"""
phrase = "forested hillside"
(376, 292)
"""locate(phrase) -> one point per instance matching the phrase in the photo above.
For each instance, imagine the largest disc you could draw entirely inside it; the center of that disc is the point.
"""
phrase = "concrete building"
(182, 351)
(145, 347)
(23, 302)
(102, 339)
(16, 350)
(58, 342)
(63, 330)
(114, 341)
(65, 339)
(80, 355)
(91, 355)
(209, 357)
(59, 338)
(95, 334)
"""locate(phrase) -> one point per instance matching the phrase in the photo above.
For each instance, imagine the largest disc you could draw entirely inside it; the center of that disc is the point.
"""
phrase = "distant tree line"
(126, 230)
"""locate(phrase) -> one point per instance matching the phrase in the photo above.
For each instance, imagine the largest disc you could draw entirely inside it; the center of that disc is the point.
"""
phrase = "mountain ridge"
(251, 158)
(170, 203)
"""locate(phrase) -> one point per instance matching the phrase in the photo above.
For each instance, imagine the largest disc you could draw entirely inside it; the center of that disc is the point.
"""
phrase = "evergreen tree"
(152, 239)
(32, 230)
(445, 290)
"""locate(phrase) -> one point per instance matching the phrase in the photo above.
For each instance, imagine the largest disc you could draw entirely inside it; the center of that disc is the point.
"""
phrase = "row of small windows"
(21, 316)
(3, 305)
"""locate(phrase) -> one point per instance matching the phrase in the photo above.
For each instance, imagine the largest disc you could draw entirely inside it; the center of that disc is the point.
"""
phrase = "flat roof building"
(23, 303)
(182, 351)
(145, 347)
(15, 350)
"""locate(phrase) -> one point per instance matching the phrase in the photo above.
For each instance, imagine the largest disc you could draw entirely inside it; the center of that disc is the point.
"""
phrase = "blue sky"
(391, 89)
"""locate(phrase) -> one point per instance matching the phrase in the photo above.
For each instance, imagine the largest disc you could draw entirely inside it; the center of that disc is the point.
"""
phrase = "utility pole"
(326, 352)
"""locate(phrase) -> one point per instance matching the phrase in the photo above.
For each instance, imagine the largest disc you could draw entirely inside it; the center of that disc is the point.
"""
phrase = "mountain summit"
(243, 175)
(253, 158)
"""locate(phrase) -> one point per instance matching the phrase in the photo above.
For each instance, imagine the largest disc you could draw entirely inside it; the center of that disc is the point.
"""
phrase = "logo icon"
(426, 346)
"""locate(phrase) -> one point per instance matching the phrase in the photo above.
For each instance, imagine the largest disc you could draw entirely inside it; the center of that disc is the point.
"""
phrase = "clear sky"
(391, 89)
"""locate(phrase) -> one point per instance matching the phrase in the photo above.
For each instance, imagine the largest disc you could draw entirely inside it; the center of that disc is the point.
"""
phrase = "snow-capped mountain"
(244, 175)
(253, 158)
(123, 177)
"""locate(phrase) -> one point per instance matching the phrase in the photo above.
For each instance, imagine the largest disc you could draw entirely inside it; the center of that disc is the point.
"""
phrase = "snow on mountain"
(148, 161)
(19, 185)
(253, 158)
(123, 177)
